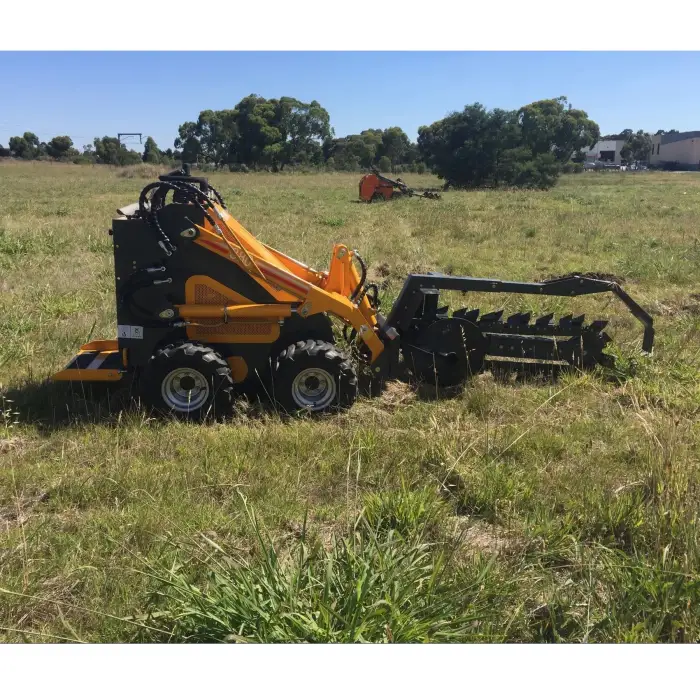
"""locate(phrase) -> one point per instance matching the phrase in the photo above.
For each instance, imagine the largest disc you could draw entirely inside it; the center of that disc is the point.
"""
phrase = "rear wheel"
(188, 380)
(313, 376)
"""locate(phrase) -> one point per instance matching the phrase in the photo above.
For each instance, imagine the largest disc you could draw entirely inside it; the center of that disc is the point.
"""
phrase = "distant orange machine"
(375, 187)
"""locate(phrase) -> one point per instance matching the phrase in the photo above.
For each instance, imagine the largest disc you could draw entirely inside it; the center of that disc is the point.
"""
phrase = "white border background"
(391, 672)
(350, 25)
(514, 671)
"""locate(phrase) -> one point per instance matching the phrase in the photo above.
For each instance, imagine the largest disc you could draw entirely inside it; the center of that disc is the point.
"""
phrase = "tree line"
(475, 147)
(107, 150)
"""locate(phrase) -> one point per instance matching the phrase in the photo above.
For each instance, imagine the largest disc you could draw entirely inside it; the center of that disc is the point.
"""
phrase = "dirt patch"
(395, 395)
(476, 535)
(319, 531)
(18, 513)
(385, 274)
(605, 276)
(666, 308)
(673, 307)
(383, 269)
(693, 305)
(11, 444)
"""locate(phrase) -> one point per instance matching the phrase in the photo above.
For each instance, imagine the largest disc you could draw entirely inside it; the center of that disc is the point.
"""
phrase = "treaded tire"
(164, 385)
(313, 376)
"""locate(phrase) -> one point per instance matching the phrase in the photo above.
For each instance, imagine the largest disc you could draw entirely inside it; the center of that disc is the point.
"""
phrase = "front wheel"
(313, 376)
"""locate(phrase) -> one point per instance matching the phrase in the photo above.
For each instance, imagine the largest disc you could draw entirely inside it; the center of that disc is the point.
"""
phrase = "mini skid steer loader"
(375, 187)
(205, 310)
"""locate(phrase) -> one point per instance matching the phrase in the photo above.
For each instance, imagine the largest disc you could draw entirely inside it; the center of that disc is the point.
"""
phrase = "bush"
(572, 167)
(351, 164)
(420, 167)
(499, 148)
(407, 511)
(384, 164)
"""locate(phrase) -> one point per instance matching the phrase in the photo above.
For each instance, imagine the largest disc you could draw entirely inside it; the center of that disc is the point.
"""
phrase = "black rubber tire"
(203, 360)
(306, 355)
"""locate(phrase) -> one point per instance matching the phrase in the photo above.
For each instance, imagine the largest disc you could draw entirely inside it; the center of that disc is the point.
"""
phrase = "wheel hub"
(312, 383)
(185, 390)
(187, 383)
(314, 389)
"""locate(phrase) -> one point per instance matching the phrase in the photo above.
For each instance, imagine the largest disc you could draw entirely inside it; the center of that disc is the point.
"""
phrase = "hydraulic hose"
(363, 276)
(126, 299)
(373, 299)
(157, 201)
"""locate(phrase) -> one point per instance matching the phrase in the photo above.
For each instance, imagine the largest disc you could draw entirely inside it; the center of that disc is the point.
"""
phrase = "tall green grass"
(374, 584)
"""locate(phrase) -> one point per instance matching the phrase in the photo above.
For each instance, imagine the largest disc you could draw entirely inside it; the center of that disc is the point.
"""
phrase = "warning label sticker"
(132, 332)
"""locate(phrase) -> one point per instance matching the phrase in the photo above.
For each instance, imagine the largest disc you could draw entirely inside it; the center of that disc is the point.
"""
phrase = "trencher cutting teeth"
(492, 317)
(519, 323)
(469, 315)
(519, 319)
(512, 341)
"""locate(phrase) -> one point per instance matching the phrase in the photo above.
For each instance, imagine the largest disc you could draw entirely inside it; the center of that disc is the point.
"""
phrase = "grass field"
(510, 512)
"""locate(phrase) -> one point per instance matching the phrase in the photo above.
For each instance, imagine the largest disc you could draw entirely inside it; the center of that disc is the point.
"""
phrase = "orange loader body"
(373, 188)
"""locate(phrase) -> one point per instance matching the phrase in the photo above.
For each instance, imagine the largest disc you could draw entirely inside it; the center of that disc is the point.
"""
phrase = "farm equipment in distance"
(205, 310)
(376, 187)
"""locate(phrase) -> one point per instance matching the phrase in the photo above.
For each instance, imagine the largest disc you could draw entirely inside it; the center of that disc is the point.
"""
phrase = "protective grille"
(215, 327)
(207, 295)
(204, 294)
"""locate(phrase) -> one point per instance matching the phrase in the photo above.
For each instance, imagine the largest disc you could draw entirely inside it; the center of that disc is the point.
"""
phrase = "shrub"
(406, 510)
(384, 164)
(572, 167)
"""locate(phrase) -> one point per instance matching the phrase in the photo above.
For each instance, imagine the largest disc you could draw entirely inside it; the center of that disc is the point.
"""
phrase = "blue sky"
(86, 94)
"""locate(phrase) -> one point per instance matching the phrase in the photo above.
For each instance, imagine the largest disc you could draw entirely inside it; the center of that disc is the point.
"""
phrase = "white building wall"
(685, 152)
(616, 146)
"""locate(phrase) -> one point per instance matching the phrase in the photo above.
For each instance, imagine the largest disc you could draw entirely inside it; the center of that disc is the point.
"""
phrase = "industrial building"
(606, 152)
(680, 150)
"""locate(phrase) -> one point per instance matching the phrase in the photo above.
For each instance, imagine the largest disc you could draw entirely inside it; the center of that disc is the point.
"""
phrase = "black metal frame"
(403, 187)
(416, 288)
